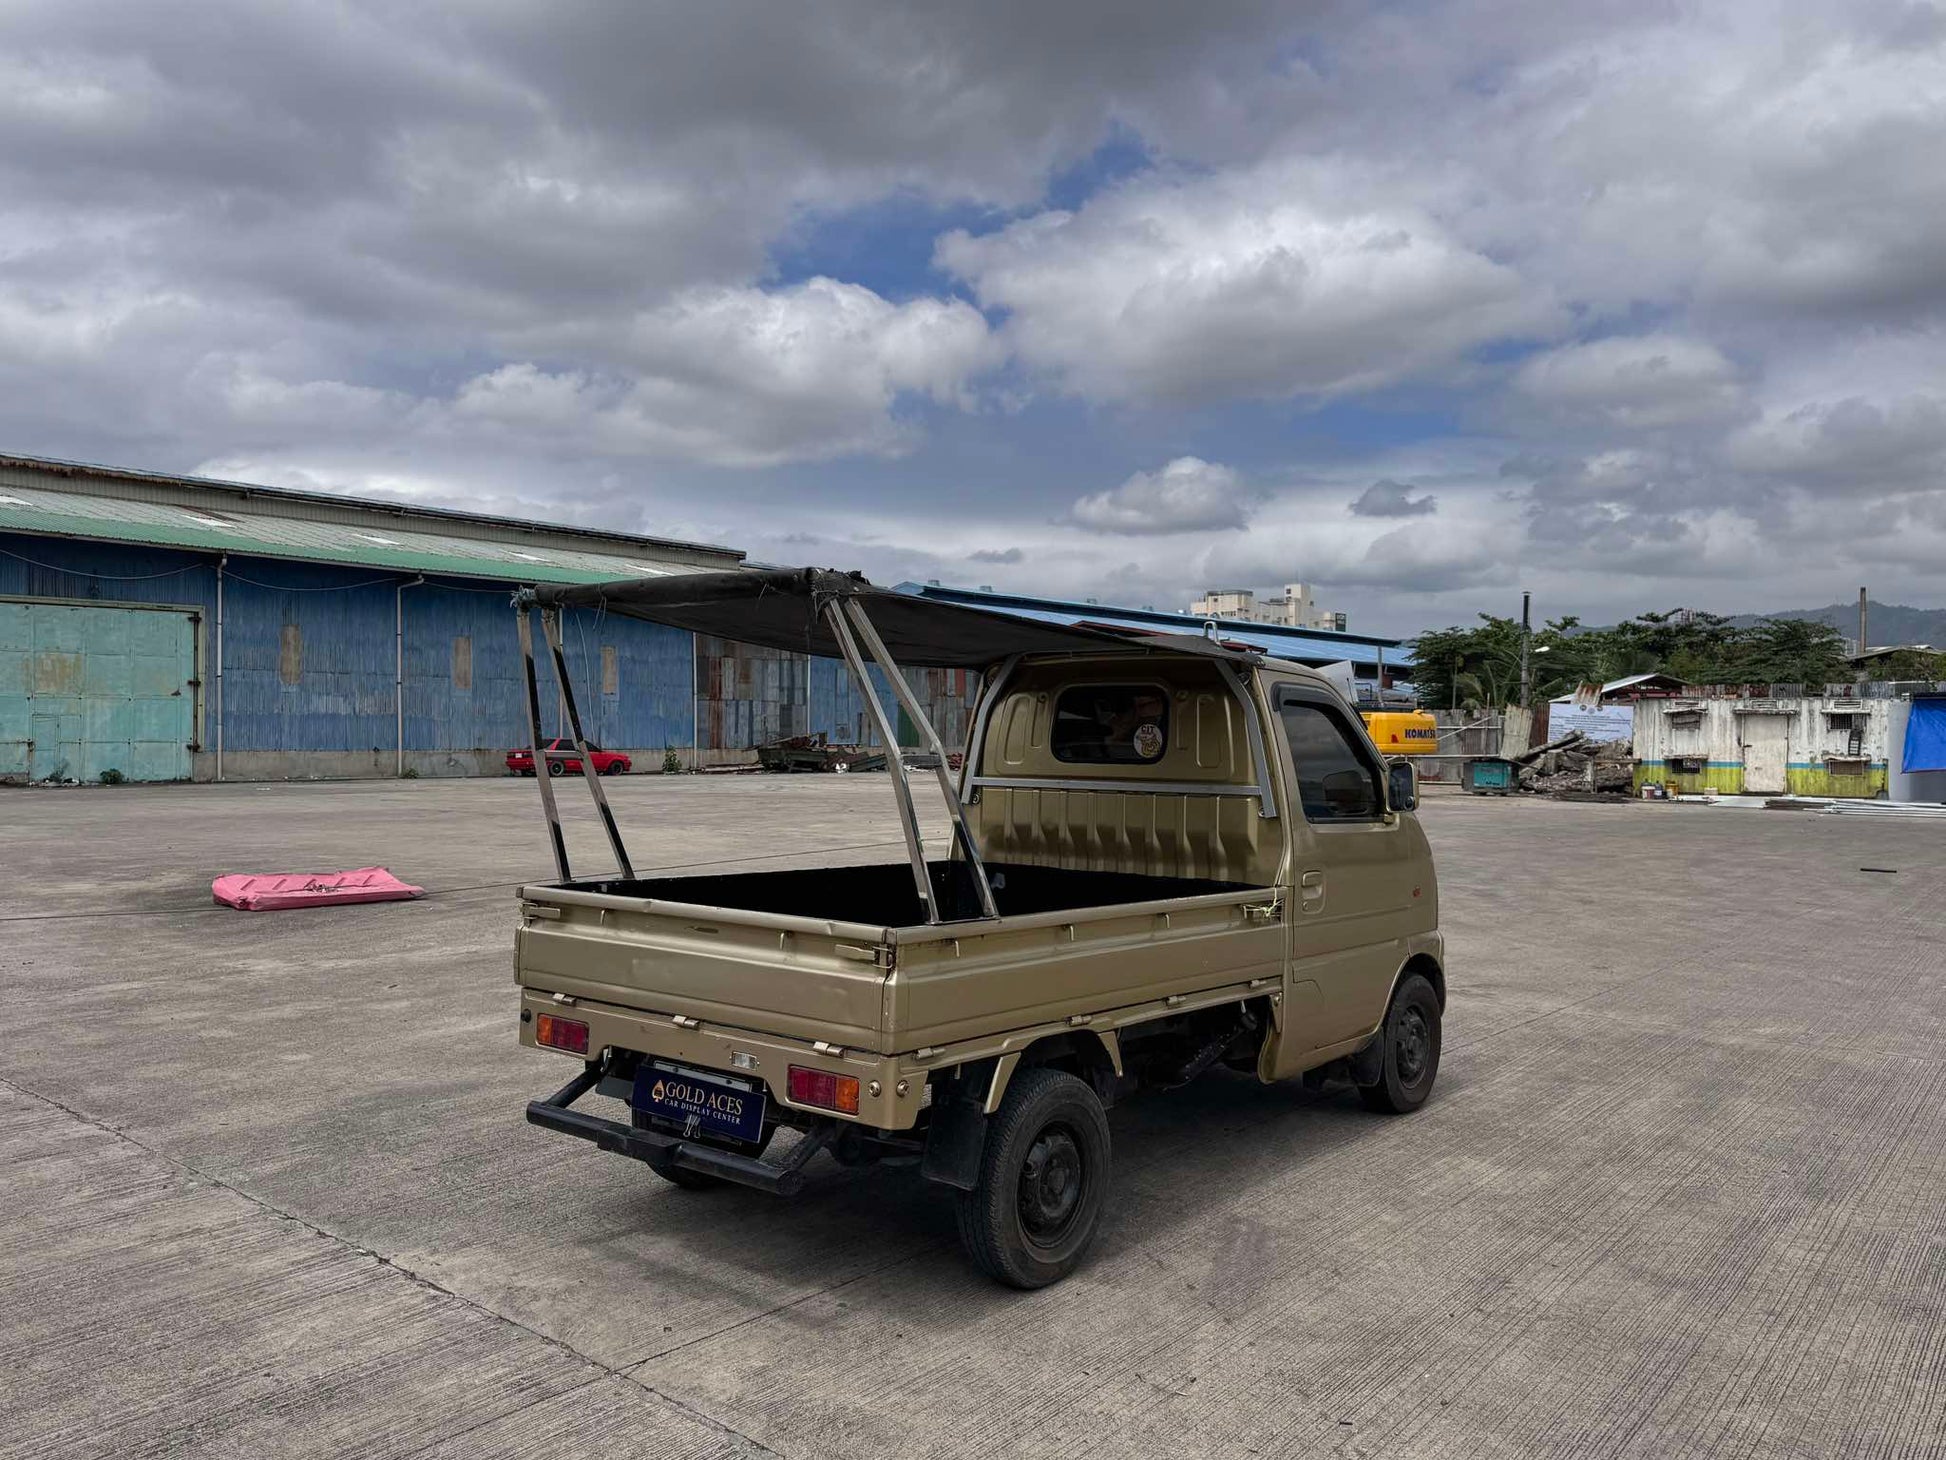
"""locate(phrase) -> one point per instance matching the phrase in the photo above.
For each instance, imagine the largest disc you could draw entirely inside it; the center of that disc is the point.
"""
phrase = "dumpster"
(1488, 775)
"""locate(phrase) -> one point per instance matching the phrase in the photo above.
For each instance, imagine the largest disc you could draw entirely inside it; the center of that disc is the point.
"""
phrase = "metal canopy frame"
(849, 625)
(837, 612)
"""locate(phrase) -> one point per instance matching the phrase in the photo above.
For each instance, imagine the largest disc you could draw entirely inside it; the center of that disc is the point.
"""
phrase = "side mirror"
(1402, 785)
(1348, 794)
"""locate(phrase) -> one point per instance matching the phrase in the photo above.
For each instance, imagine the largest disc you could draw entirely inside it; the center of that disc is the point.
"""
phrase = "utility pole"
(1526, 650)
(1863, 644)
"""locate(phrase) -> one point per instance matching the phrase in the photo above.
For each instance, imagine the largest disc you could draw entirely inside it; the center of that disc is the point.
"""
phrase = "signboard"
(1597, 722)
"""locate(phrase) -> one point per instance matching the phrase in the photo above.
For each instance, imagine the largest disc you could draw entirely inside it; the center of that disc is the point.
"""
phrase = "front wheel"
(556, 767)
(1411, 1041)
(614, 768)
(1043, 1180)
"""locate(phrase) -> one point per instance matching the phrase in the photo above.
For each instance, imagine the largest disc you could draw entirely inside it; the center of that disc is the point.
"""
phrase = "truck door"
(1353, 866)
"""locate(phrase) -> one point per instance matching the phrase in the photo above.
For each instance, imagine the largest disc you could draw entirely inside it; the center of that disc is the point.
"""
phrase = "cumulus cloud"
(1639, 381)
(751, 377)
(1277, 282)
(1392, 499)
(1293, 542)
(1853, 444)
(1683, 269)
(1187, 495)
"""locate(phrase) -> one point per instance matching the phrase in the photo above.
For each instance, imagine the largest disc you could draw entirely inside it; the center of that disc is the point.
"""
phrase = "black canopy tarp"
(781, 608)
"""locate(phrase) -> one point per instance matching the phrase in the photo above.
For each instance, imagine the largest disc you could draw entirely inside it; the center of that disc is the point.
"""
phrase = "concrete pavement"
(1682, 1189)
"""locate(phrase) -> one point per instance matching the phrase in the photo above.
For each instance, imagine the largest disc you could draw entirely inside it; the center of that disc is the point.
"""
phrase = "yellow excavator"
(1394, 729)
(1402, 732)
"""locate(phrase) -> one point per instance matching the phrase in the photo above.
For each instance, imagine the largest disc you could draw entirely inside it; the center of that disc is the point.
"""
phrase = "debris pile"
(1574, 763)
(817, 753)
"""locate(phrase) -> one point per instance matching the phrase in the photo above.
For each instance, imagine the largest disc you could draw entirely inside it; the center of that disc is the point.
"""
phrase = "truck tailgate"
(748, 970)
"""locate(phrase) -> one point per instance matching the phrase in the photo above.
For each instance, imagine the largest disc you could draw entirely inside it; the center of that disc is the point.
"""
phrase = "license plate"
(700, 1102)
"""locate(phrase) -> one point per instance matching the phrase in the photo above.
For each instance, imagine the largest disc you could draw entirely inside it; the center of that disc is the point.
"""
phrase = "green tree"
(1685, 642)
(1479, 667)
(1788, 651)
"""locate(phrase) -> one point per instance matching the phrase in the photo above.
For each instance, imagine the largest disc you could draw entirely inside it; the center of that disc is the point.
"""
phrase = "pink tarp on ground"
(275, 891)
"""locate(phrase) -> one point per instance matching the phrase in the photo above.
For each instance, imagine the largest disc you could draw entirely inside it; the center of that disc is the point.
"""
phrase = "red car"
(607, 762)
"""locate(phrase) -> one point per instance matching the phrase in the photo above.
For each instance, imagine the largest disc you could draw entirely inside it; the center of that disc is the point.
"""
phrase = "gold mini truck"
(1168, 853)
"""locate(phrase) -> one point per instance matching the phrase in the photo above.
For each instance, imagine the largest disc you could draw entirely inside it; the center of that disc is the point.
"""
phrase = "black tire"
(615, 768)
(1043, 1181)
(556, 767)
(1411, 1042)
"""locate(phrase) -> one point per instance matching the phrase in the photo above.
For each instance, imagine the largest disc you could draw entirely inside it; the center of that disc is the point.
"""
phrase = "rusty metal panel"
(748, 696)
(90, 689)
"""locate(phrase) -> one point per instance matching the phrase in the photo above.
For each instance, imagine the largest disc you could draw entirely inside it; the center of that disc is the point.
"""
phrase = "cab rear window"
(1111, 724)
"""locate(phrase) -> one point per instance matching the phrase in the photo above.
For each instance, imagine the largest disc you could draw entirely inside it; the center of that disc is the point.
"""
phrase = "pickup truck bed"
(882, 894)
(835, 956)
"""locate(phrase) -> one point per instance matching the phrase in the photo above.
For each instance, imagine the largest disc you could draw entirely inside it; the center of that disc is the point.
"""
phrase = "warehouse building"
(1375, 662)
(157, 628)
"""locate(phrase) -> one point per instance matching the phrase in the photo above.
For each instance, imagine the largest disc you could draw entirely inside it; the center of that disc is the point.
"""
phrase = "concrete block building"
(1747, 744)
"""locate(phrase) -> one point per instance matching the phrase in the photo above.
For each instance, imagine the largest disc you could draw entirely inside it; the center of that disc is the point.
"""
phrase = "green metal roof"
(59, 499)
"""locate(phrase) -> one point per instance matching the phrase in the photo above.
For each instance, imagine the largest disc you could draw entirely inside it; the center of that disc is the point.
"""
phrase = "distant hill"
(1887, 623)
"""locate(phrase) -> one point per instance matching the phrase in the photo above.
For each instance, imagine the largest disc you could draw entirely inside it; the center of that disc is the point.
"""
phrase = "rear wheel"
(1043, 1180)
(1411, 1041)
(555, 767)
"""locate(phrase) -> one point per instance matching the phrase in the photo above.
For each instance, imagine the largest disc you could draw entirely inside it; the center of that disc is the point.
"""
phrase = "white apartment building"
(1294, 608)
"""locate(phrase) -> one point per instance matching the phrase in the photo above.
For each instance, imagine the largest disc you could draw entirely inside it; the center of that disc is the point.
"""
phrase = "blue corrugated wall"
(309, 661)
(335, 690)
(308, 653)
(648, 708)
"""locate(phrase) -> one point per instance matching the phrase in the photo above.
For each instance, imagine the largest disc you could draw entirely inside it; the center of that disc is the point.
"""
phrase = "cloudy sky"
(1635, 304)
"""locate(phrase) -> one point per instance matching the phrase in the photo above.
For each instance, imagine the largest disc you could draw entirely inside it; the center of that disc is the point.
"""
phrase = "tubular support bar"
(895, 763)
(917, 714)
(522, 613)
(662, 1150)
(969, 786)
(1253, 725)
(551, 623)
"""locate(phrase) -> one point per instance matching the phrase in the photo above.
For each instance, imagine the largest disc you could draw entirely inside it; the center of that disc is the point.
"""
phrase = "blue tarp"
(1925, 736)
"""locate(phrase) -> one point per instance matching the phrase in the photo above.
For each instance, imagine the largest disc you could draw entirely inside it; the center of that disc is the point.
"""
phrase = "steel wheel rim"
(1411, 1044)
(1053, 1180)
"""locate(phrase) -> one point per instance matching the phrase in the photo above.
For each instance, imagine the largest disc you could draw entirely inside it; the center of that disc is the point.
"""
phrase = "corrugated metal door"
(87, 689)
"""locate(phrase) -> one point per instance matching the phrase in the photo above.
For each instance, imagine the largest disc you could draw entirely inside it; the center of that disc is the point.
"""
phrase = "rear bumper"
(665, 1151)
(881, 1103)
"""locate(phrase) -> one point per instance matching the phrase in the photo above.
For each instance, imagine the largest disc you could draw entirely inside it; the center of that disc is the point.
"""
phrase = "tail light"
(830, 1092)
(572, 1035)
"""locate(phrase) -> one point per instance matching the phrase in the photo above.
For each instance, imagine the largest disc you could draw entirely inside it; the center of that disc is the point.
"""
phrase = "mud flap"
(955, 1144)
(1368, 1065)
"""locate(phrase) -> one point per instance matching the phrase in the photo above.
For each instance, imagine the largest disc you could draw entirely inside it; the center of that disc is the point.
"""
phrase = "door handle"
(1310, 891)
